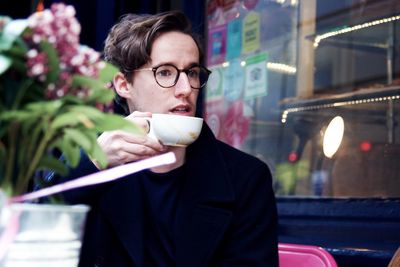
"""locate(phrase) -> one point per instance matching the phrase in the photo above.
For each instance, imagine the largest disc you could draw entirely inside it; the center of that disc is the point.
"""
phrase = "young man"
(214, 207)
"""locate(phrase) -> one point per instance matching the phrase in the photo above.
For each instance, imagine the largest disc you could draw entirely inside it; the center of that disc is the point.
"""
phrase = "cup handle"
(151, 133)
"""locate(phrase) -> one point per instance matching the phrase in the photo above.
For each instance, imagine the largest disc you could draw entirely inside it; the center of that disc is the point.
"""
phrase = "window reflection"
(316, 60)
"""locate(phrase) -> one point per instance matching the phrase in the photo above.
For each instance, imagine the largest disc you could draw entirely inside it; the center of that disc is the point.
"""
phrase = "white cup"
(175, 130)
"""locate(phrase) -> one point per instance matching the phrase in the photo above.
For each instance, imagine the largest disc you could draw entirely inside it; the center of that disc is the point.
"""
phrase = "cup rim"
(175, 115)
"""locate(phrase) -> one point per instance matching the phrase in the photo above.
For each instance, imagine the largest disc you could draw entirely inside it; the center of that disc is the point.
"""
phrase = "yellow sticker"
(251, 32)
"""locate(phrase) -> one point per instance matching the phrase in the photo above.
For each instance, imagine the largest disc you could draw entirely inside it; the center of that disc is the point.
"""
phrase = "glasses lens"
(166, 75)
(198, 77)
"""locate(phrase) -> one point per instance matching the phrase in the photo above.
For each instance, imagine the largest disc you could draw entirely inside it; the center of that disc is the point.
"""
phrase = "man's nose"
(182, 86)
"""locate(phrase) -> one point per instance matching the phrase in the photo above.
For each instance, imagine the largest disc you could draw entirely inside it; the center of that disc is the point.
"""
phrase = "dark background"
(97, 16)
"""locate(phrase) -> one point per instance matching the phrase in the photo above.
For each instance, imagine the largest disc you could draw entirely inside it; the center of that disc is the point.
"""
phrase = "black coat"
(227, 216)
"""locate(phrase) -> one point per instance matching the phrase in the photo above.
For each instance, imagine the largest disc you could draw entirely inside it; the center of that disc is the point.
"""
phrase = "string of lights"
(321, 37)
(286, 112)
(272, 66)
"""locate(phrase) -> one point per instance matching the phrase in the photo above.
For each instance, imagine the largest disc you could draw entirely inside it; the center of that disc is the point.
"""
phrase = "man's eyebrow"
(188, 66)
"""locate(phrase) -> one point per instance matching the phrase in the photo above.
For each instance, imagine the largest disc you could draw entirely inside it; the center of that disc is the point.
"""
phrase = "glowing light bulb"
(333, 136)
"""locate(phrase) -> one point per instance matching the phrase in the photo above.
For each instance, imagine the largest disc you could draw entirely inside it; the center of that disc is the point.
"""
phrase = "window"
(283, 69)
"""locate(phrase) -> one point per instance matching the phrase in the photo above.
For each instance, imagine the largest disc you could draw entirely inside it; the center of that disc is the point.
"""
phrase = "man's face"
(145, 94)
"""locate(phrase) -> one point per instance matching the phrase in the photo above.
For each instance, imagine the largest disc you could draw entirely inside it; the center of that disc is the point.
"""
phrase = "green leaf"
(11, 32)
(53, 164)
(98, 154)
(109, 122)
(53, 61)
(70, 151)
(19, 50)
(101, 96)
(22, 91)
(79, 138)
(15, 27)
(5, 63)
(78, 114)
(31, 124)
(91, 136)
(45, 107)
(91, 112)
(72, 100)
(84, 81)
(15, 115)
(19, 65)
(108, 72)
(63, 120)
(68, 119)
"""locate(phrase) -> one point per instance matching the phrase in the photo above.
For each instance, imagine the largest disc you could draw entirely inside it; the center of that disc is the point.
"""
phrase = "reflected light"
(283, 68)
(225, 64)
(293, 156)
(365, 146)
(333, 136)
(319, 38)
(287, 111)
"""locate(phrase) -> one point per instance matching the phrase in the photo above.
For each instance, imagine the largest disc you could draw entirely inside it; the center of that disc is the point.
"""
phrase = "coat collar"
(202, 216)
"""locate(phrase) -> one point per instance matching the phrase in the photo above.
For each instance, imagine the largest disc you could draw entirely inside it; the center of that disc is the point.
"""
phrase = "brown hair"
(129, 42)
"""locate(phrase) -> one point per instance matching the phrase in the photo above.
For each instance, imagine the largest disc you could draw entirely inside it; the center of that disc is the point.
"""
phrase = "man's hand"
(122, 147)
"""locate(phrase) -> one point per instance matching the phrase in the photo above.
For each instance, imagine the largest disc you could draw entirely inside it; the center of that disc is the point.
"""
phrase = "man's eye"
(193, 73)
(164, 73)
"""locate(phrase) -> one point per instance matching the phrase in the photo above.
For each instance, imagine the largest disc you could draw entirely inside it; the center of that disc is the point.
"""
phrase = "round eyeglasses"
(167, 75)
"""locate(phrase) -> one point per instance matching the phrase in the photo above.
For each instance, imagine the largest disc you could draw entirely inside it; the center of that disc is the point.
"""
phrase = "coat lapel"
(206, 206)
(123, 207)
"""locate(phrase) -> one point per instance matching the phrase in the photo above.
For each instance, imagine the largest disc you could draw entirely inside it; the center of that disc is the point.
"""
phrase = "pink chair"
(294, 255)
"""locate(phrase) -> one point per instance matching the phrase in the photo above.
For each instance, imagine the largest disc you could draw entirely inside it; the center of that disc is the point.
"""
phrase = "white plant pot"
(41, 235)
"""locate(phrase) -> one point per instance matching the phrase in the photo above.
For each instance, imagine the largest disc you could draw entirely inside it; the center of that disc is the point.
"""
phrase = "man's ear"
(121, 85)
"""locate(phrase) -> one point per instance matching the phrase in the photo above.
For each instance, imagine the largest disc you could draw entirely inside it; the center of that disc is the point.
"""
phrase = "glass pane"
(283, 69)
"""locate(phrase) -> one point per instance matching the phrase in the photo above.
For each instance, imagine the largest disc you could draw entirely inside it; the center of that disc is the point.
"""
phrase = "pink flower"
(59, 27)
(37, 64)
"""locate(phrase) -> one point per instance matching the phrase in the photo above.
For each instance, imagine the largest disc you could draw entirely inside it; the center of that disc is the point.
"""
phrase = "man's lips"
(181, 109)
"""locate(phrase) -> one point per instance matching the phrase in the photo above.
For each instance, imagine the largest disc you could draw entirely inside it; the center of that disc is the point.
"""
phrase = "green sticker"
(256, 76)
(214, 85)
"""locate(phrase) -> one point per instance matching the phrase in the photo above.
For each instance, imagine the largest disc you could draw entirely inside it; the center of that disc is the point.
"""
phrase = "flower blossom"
(37, 64)
(59, 27)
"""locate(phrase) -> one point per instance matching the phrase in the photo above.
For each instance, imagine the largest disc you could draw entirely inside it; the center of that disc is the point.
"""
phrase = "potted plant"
(53, 97)
(51, 89)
